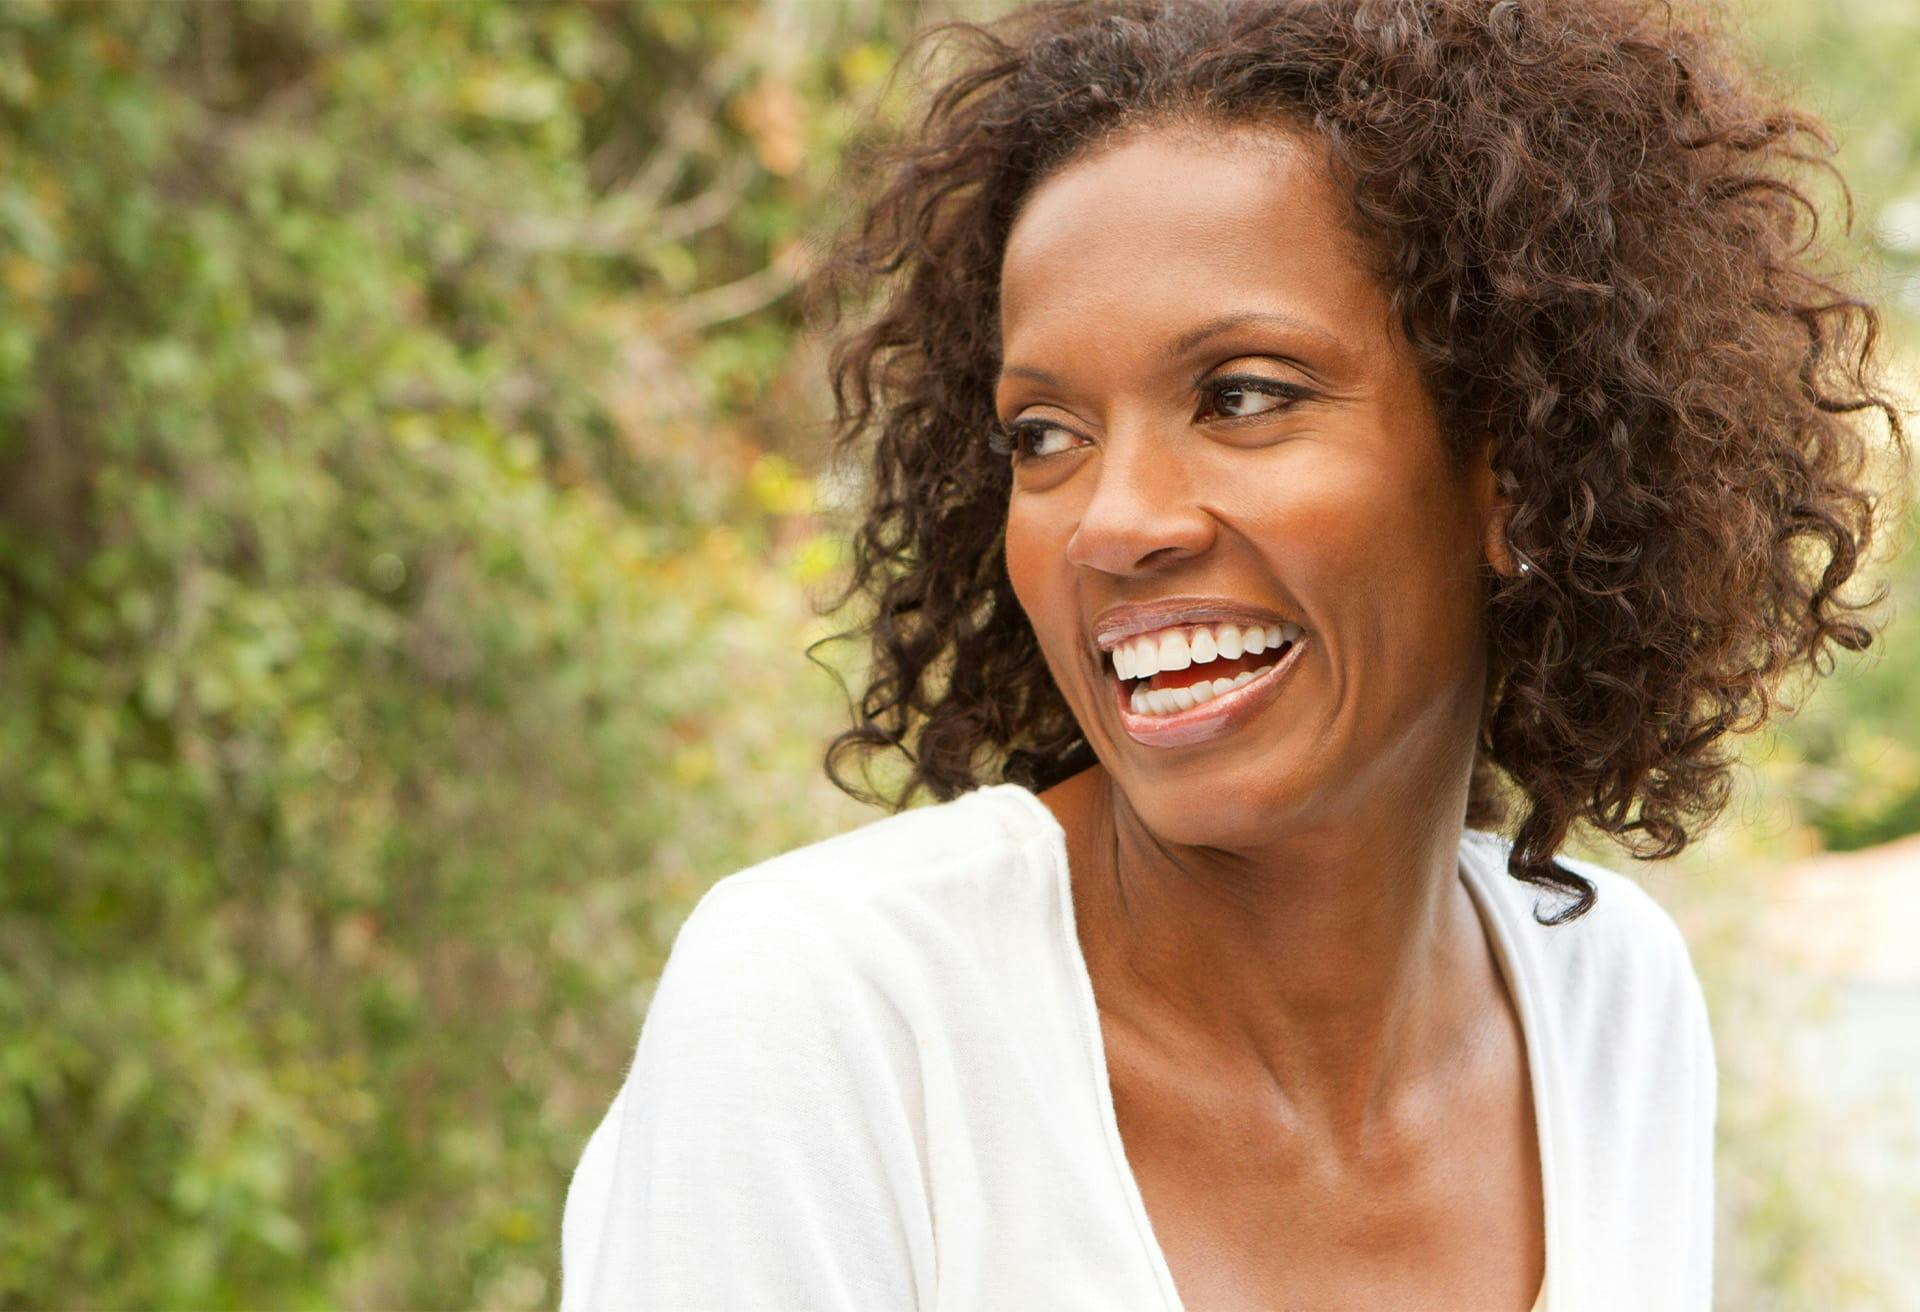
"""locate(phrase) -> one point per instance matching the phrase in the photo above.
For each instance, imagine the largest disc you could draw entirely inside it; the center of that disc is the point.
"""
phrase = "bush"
(392, 649)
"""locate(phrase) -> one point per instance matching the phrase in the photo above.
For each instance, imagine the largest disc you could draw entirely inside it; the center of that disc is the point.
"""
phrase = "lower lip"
(1209, 719)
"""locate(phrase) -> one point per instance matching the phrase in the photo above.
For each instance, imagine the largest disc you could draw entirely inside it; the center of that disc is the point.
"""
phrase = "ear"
(1494, 508)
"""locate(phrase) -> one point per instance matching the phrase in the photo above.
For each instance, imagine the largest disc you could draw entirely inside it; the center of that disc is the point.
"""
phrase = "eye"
(1030, 439)
(1241, 396)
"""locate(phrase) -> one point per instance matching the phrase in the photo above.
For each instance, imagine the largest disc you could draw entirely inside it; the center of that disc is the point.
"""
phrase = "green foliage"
(399, 626)
(1850, 761)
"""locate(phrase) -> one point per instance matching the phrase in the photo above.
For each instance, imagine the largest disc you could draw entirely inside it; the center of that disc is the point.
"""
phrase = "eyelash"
(1008, 439)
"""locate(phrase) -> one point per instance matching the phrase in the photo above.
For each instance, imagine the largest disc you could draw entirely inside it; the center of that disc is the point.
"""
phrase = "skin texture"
(1320, 1077)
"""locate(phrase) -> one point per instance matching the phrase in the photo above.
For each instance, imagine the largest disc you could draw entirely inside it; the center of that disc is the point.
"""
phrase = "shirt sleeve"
(761, 1153)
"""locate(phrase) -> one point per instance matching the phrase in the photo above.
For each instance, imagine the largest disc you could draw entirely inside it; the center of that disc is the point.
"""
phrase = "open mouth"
(1168, 692)
(1173, 670)
(1211, 692)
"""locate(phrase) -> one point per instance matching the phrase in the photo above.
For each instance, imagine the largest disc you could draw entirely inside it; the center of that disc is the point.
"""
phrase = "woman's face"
(1219, 428)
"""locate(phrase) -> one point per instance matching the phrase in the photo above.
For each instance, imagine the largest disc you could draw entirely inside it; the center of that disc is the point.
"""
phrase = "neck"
(1333, 964)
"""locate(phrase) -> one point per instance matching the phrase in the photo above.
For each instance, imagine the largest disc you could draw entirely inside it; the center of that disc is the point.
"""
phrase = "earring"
(1525, 568)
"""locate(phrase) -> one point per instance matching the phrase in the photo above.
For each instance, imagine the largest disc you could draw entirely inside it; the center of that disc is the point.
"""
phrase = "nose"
(1141, 515)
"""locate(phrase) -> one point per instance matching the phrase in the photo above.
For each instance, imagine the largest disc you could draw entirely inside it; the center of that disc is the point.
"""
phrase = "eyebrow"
(1188, 340)
(1228, 322)
(1035, 375)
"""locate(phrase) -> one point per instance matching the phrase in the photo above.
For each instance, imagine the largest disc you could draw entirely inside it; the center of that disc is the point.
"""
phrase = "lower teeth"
(1170, 701)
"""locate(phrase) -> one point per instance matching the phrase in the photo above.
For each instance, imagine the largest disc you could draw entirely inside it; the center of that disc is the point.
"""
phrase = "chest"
(1250, 1212)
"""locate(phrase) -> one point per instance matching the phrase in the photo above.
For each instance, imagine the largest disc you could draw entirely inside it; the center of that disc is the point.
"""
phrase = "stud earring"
(1525, 568)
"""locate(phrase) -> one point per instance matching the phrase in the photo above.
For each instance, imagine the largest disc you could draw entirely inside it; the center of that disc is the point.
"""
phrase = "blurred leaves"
(1849, 761)
(396, 618)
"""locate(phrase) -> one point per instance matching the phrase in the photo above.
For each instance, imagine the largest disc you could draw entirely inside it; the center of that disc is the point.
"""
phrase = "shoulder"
(876, 905)
(974, 830)
(796, 981)
(766, 1146)
(818, 980)
(1624, 965)
(1624, 921)
(1627, 1064)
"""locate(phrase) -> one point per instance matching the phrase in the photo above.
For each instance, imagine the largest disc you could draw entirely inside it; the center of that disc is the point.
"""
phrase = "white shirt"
(872, 1077)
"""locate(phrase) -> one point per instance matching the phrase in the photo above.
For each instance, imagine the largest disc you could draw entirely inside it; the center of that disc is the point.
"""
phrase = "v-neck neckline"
(1519, 988)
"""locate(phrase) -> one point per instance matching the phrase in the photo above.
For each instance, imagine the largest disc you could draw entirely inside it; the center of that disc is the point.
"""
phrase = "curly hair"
(1597, 234)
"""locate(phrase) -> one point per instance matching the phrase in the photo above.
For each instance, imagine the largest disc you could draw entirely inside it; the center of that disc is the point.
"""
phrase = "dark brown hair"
(1598, 236)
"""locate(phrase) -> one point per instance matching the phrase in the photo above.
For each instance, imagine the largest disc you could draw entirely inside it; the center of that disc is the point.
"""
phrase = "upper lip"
(1116, 624)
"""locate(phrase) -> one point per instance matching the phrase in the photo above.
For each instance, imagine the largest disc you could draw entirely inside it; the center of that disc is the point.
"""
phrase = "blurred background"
(413, 507)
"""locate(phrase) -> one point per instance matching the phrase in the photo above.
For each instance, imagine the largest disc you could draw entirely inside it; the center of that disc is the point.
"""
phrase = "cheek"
(1038, 531)
(1033, 553)
(1366, 505)
(1384, 551)
(1325, 514)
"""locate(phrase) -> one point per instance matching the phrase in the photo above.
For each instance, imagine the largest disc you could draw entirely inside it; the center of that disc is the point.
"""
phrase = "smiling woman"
(1320, 454)
(1282, 461)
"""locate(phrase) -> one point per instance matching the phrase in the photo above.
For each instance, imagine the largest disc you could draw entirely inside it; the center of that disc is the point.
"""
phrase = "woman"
(1310, 439)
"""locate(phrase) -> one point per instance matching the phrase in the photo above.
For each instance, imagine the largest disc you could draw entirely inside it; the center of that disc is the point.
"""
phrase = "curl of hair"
(1598, 236)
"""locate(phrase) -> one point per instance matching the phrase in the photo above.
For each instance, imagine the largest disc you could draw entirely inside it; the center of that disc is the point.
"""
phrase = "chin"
(1197, 806)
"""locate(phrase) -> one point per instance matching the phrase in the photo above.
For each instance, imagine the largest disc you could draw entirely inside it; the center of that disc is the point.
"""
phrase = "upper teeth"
(1176, 649)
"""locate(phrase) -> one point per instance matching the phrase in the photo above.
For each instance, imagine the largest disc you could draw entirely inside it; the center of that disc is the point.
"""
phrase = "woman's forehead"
(1173, 225)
